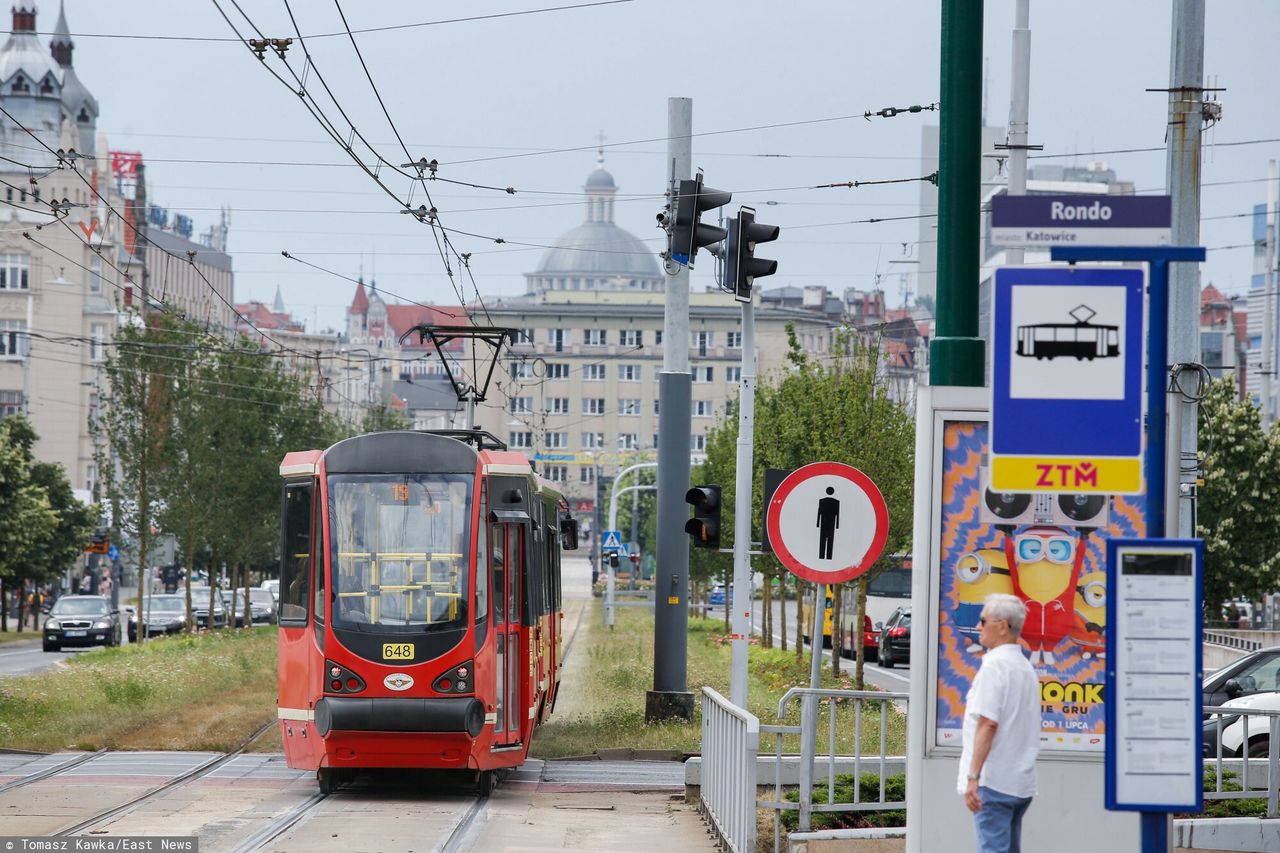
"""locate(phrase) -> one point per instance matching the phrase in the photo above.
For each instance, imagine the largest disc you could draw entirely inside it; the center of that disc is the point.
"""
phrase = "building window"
(15, 271)
(587, 474)
(556, 473)
(10, 403)
(593, 371)
(702, 341)
(702, 408)
(733, 374)
(594, 337)
(655, 405)
(593, 406)
(629, 372)
(521, 439)
(522, 405)
(629, 407)
(557, 440)
(703, 374)
(592, 440)
(559, 338)
(95, 274)
(658, 337)
(655, 441)
(524, 336)
(12, 338)
(521, 370)
(632, 337)
(98, 332)
(557, 370)
(698, 443)
(628, 441)
(733, 340)
(558, 405)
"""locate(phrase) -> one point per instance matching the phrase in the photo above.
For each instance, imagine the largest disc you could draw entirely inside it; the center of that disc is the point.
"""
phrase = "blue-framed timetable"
(1154, 675)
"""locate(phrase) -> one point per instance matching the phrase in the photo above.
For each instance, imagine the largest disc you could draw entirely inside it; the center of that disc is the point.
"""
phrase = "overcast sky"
(497, 101)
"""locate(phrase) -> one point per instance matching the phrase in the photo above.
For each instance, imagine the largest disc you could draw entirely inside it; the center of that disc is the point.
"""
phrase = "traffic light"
(705, 524)
(689, 234)
(741, 265)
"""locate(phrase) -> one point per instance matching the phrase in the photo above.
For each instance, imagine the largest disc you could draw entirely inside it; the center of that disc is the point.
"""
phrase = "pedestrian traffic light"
(742, 267)
(689, 234)
(705, 524)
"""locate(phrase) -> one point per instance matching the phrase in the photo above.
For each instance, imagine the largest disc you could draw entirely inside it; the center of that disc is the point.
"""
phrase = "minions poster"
(1050, 551)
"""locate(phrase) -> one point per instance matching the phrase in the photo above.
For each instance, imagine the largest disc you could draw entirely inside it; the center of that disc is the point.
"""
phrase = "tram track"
(200, 770)
(52, 771)
(280, 825)
(461, 834)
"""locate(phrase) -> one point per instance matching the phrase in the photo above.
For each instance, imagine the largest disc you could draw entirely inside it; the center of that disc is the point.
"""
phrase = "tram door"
(508, 567)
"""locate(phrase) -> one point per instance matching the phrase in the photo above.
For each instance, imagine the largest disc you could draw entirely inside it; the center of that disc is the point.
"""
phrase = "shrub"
(895, 790)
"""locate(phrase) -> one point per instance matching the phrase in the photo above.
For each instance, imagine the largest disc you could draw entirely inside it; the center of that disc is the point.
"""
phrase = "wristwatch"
(973, 777)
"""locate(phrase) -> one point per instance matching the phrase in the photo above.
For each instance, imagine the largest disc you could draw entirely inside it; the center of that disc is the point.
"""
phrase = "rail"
(727, 795)
(879, 760)
(1232, 641)
(1242, 747)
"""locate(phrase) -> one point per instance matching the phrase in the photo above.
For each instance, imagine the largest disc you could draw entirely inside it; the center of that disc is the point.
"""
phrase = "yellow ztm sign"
(1099, 475)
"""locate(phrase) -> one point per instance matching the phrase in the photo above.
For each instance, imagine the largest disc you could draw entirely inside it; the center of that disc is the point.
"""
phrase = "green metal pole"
(956, 354)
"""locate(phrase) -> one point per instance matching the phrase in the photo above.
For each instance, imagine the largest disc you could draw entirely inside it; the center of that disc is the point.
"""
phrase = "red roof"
(264, 318)
(360, 305)
(402, 318)
(1210, 295)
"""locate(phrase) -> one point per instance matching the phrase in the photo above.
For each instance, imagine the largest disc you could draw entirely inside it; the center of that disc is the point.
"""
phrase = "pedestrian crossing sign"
(612, 541)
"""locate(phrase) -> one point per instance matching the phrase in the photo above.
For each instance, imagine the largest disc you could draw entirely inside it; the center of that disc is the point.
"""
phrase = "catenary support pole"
(1186, 105)
(1019, 111)
(740, 595)
(957, 354)
(669, 696)
(1266, 370)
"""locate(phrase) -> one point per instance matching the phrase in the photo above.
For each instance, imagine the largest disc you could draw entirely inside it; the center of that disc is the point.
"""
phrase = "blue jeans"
(999, 822)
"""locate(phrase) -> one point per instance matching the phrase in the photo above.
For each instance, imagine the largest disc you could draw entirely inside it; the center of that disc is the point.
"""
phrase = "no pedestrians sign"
(827, 522)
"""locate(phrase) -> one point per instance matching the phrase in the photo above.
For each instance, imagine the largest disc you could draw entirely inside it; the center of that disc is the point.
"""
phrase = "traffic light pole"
(669, 696)
(610, 582)
(741, 595)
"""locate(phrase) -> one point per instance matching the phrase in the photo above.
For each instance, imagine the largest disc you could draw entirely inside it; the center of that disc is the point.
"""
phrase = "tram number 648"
(397, 651)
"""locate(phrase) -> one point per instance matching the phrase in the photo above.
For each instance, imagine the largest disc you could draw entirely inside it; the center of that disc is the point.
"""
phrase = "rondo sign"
(827, 522)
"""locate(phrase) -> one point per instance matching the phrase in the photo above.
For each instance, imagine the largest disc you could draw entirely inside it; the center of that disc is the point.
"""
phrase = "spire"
(277, 307)
(62, 45)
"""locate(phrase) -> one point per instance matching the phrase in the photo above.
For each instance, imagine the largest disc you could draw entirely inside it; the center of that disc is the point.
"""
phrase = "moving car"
(81, 620)
(717, 596)
(260, 610)
(162, 614)
(200, 600)
(1256, 672)
(272, 586)
(1237, 742)
(870, 641)
(895, 639)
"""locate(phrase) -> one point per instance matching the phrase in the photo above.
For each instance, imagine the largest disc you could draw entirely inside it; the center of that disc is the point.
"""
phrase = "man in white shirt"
(1001, 730)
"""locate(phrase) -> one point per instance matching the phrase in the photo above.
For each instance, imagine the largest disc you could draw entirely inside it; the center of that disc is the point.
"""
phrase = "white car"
(274, 586)
(1234, 735)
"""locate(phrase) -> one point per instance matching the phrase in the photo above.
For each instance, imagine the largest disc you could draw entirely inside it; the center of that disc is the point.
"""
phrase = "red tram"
(420, 614)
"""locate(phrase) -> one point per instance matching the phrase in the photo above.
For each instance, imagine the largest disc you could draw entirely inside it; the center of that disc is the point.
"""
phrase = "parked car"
(1256, 672)
(1236, 741)
(895, 639)
(81, 620)
(870, 641)
(162, 614)
(200, 606)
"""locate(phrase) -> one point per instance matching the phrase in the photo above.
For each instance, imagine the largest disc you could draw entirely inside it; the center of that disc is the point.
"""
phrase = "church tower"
(79, 107)
(31, 90)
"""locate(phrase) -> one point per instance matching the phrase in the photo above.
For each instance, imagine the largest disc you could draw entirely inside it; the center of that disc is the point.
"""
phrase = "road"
(21, 657)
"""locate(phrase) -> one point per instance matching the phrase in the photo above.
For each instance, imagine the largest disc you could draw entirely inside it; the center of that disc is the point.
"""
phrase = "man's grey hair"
(1001, 605)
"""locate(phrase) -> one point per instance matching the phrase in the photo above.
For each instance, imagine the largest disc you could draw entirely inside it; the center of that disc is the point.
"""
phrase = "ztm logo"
(1066, 476)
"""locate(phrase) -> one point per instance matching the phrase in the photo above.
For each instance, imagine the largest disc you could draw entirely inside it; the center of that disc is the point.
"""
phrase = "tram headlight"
(456, 680)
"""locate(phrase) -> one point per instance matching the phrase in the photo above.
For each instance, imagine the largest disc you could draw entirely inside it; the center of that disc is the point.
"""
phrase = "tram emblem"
(398, 681)
(1081, 339)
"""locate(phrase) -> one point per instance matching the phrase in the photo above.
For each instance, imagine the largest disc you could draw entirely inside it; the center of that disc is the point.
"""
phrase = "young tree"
(28, 520)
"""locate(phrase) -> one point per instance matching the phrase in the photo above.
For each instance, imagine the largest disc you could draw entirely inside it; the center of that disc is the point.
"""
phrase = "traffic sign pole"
(1155, 825)
(740, 595)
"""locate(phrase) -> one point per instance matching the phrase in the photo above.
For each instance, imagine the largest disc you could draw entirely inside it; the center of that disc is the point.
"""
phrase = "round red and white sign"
(827, 522)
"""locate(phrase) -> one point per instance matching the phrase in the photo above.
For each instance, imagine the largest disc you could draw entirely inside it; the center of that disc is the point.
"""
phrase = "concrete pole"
(957, 355)
(1267, 367)
(1019, 111)
(1186, 81)
(669, 697)
(741, 594)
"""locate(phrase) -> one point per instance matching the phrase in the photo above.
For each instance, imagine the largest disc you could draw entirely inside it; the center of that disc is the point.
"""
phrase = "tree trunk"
(4, 606)
(248, 605)
(188, 557)
(22, 605)
(860, 619)
(837, 627)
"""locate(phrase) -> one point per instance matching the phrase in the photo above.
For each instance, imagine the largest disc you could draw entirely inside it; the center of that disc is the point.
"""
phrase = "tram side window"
(318, 607)
(295, 556)
(497, 546)
(482, 562)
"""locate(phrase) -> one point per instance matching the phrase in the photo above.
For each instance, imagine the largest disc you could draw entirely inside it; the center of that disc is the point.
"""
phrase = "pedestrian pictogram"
(612, 541)
(827, 522)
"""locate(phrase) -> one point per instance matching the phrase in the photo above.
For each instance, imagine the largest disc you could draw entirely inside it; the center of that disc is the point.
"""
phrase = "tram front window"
(399, 551)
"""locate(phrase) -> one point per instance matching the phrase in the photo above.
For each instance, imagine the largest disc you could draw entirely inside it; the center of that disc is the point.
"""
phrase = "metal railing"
(885, 705)
(1242, 747)
(727, 793)
(1231, 641)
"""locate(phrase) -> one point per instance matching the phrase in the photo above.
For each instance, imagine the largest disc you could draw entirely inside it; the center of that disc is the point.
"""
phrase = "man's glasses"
(983, 620)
